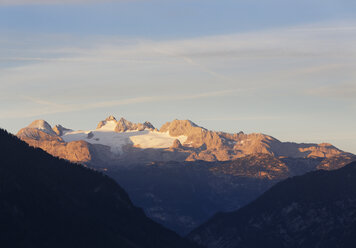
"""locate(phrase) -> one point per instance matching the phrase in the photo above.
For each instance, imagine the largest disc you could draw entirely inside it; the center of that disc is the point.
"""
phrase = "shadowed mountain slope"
(49, 202)
(317, 209)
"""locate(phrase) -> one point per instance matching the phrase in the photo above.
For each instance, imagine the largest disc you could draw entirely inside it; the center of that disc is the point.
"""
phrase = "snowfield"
(106, 136)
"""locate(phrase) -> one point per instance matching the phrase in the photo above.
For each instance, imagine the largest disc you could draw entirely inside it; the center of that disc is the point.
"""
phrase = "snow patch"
(106, 136)
(156, 139)
(109, 126)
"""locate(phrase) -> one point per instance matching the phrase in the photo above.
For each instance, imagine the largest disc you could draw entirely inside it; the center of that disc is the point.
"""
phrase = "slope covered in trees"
(49, 202)
(317, 209)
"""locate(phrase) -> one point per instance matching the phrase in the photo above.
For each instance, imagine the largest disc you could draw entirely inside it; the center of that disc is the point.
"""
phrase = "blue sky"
(284, 68)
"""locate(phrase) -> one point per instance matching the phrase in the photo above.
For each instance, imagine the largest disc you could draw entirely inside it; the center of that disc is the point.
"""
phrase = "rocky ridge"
(124, 125)
(40, 134)
(179, 140)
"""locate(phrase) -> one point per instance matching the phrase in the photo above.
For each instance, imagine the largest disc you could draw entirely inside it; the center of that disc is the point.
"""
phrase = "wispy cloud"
(340, 91)
(233, 59)
(294, 42)
(192, 62)
(42, 102)
(226, 69)
(45, 107)
(245, 118)
(30, 2)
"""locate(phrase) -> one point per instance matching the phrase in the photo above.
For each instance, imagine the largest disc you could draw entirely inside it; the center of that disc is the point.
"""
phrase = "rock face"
(176, 144)
(198, 137)
(40, 134)
(220, 146)
(43, 126)
(336, 162)
(124, 125)
(313, 210)
(263, 166)
(60, 130)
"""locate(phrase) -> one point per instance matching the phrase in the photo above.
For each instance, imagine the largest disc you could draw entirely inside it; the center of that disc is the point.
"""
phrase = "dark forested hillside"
(49, 202)
(317, 209)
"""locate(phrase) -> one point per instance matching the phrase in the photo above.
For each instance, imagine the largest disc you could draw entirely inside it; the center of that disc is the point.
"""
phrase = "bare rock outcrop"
(336, 162)
(60, 130)
(43, 126)
(37, 135)
(196, 136)
(256, 165)
(124, 125)
(211, 146)
(40, 134)
(176, 144)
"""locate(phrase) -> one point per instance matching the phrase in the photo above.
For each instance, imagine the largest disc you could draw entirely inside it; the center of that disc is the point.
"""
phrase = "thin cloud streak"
(339, 91)
(190, 61)
(244, 118)
(294, 42)
(49, 2)
(48, 107)
(202, 54)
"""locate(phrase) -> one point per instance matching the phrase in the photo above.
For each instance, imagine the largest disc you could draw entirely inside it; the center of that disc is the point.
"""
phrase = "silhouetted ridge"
(49, 202)
(317, 209)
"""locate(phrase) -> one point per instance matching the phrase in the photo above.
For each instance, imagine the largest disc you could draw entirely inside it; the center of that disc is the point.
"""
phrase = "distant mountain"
(49, 202)
(182, 174)
(317, 209)
(114, 142)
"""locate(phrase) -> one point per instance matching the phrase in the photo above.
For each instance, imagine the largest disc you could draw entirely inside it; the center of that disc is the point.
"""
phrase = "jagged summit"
(43, 126)
(60, 130)
(110, 118)
(180, 127)
(123, 125)
(40, 134)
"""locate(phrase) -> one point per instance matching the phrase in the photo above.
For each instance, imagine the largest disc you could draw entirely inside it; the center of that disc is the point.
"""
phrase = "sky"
(280, 67)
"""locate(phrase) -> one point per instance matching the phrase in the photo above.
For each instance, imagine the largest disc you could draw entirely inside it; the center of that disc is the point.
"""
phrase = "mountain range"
(205, 171)
(114, 142)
